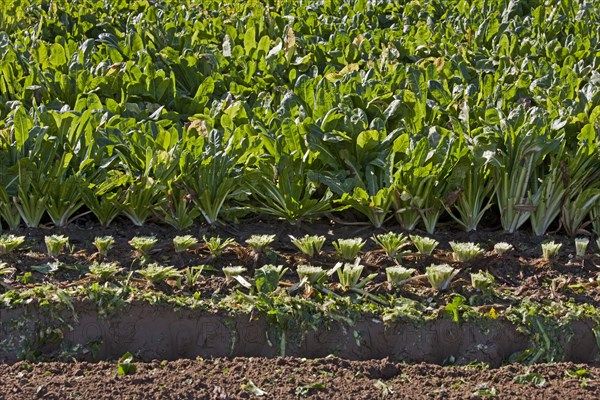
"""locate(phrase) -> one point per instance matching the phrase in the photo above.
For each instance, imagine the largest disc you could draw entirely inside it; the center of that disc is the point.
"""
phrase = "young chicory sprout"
(310, 245)
(502, 247)
(348, 249)
(398, 275)
(465, 251)
(182, 243)
(440, 276)
(104, 244)
(10, 242)
(143, 244)
(260, 242)
(581, 245)
(424, 245)
(392, 243)
(550, 250)
(55, 244)
(482, 281)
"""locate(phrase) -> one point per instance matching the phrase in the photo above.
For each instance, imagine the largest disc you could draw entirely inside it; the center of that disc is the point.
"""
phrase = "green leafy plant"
(290, 195)
(312, 274)
(125, 365)
(398, 275)
(424, 178)
(143, 245)
(30, 199)
(104, 244)
(466, 251)
(211, 177)
(392, 243)
(267, 277)
(63, 198)
(482, 281)
(349, 275)
(310, 245)
(530, 378)
(8, 210)
(576, 208)
(375, 207)
(348, 249)
(259, 243)
(468, 202)
(216, 245)
(425, 245)
(250, 387)
(550, 250)
(581, 245)
(10, 242)
(182, 243)
(104, 271)
(502, 247)
(25, 278)
(141, 198)
(104, 199)
(522, 145)
(178, 211)
(156, 273)
(440, 276)
(191, 275)
(55, 244)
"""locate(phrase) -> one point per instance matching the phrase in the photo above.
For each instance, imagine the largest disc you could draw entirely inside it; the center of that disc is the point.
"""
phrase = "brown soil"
(288, 378)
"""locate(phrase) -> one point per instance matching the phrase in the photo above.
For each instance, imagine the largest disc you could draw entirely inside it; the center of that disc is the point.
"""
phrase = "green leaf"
(125, 365)
(22, 124)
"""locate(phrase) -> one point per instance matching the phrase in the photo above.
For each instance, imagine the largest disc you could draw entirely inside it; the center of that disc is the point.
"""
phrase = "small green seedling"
(104, 271)
(156, 273)
(348, 249)
(482, 281)
(425, 245)
(259, 243)
(104, 244)
(392, 243)
(192, 275)
(55, 244)
(216, 245)
(398, 275)
(312, 274)
(502, 247)
(349, 275)
(465, 251)
(125, 366)
(143, 244)
(182, 243)
(10, 242)
(310, 245)
(440, 276)
(581, 245)
(550, 250)
(267, 277)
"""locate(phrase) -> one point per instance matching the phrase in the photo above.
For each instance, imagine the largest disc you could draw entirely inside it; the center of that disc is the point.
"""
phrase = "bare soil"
(289, 378)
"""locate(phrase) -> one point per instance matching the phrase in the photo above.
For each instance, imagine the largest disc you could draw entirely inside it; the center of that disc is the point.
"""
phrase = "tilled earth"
(288, 378)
